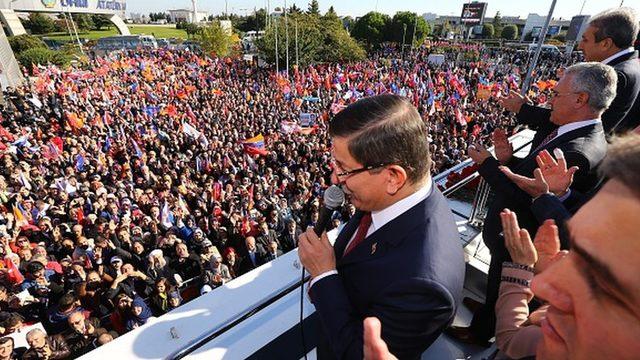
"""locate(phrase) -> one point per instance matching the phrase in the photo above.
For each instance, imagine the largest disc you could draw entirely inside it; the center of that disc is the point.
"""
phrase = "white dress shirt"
(618, 54)
(381, 217)
(574, 126)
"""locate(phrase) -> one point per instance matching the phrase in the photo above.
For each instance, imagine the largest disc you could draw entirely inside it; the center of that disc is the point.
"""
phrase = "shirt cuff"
(322, 276)
(565, 196)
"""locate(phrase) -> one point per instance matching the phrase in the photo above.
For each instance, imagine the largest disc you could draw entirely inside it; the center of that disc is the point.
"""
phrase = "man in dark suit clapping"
(579, 100)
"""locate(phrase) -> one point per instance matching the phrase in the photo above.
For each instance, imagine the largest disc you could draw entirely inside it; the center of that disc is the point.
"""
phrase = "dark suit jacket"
(624, 112)
(409, 274)
(584, 147)
(288, 241)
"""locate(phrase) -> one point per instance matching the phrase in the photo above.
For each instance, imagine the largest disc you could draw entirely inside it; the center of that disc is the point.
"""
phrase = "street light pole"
(297, 64)
(286, 36)
(277, 57)
(543, 34)
(404, 33)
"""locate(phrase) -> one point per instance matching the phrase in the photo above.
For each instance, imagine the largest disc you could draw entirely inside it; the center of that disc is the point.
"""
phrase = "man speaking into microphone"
(399, 258)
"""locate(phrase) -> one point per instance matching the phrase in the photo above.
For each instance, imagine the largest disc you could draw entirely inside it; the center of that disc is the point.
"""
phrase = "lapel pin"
(374, 247)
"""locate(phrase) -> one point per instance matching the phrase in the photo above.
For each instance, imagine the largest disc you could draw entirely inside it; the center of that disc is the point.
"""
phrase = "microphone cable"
(304, 343)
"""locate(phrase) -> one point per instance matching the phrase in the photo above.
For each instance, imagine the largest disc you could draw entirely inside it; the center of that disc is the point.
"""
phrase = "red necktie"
(547, 140)
(365, 222)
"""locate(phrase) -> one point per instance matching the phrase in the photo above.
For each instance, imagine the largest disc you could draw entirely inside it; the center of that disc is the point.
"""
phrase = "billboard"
(553, 30)
(473, 13)
(576, 27)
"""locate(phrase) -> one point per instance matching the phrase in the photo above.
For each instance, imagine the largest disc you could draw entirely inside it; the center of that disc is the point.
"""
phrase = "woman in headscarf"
(138, 315)
(175, 299)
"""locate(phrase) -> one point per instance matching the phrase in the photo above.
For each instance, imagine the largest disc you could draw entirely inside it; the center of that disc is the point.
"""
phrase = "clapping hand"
(518, 241)
(551, 176)
(555, 173)
(478, 153)
(503, 148)
(547, 244)
(513, 101)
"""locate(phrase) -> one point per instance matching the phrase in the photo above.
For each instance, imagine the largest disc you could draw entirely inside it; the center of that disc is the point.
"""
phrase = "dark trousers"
(483, 324)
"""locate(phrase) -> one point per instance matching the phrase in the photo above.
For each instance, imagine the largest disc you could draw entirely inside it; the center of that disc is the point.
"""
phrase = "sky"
(564, 8)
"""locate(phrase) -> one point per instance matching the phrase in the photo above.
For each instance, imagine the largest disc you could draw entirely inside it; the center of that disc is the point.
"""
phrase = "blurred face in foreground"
(594, 292)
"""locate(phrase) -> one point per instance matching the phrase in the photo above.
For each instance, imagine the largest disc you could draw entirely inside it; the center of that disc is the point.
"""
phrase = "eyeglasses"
(555, 94)
(344, 175)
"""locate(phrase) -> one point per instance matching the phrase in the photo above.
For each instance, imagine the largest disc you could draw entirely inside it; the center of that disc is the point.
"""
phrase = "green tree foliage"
(253, 22)
(100, 22)
(509, 32)
(395, 29)
(370, 28)
(294, 9)
(314, 8)
(497, 23)
(320, 39)
(488, 31)
(214, 39)
(42, 56)
(192, 29)
(83, 22)
(25, 42)
(40, 24)
(158, 16)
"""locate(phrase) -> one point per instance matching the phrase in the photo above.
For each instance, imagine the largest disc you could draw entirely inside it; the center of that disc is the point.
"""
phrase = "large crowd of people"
(144, 179)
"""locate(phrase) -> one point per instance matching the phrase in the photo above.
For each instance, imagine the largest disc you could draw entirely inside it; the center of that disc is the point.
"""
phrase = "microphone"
(333, 200)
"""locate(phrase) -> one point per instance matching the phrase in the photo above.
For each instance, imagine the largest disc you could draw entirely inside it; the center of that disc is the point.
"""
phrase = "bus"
(125, 42)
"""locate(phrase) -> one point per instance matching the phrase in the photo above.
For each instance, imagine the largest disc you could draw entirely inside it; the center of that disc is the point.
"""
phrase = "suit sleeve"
(411, 312)
(500, 182)
(548, 206)
(533, 116)
(621, 105)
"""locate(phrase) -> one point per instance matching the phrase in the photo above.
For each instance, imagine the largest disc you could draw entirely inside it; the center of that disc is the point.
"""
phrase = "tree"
(214, 39)
(497, 23)
(395, 30)
(25, 42)
(100, 21)
(369, 29)
(40, 24)
(488, 31)
(509, 32)
(42, 56)
(320, 39)
(314, 8)
(83, 22)
(332, 16)
(294, 9)
(192, 29)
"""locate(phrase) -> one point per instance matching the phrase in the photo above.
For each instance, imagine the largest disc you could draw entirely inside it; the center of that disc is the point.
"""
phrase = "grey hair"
(599, 81)
(32, 332)
(619, 24)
